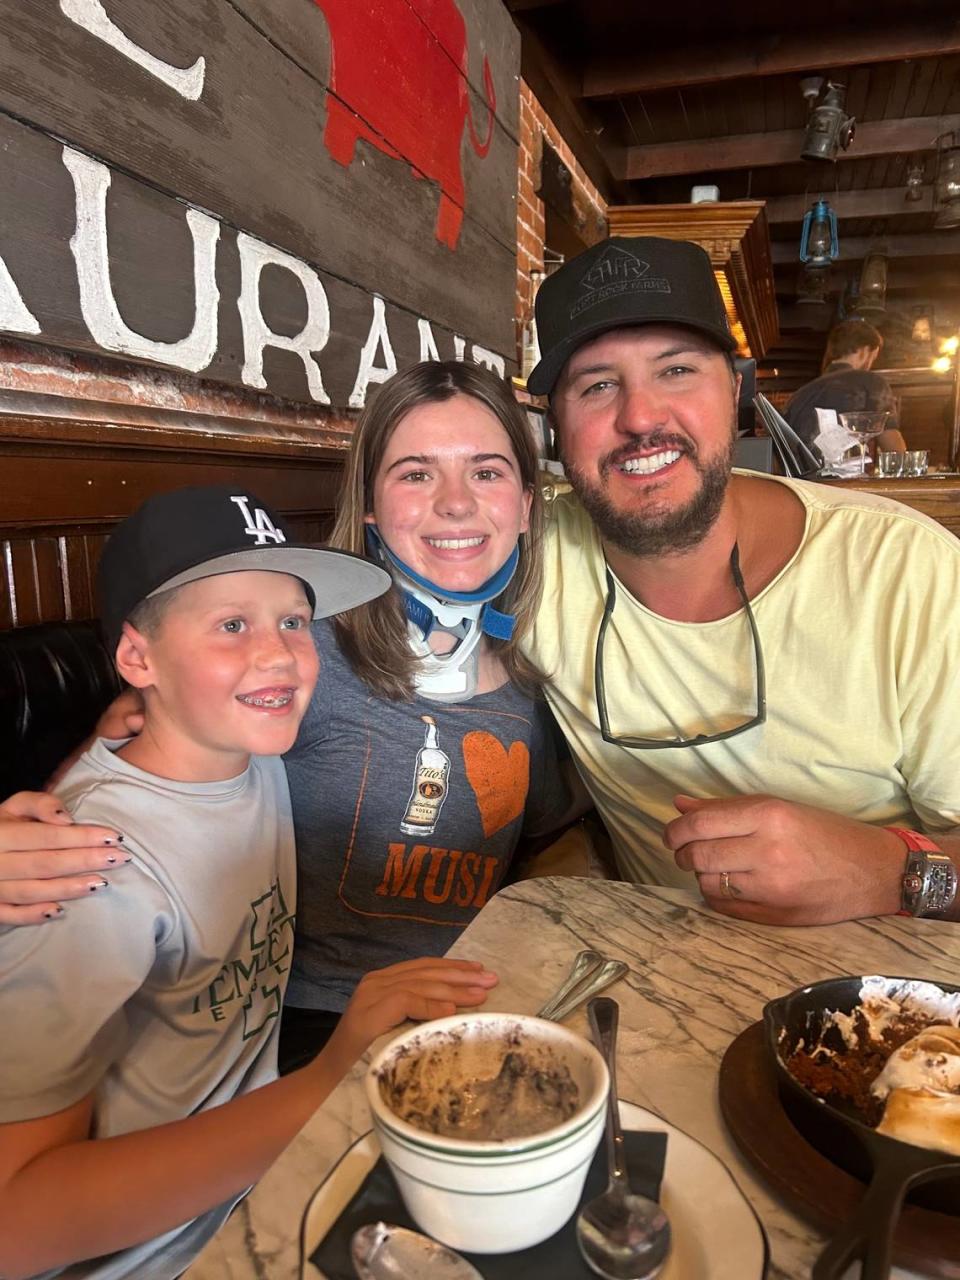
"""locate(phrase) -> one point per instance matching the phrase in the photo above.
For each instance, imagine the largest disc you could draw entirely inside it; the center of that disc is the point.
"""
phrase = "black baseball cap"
(192, 533)
(626, 280)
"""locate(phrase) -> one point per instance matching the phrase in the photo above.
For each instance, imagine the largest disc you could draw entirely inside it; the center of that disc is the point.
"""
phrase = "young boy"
(140, 1028)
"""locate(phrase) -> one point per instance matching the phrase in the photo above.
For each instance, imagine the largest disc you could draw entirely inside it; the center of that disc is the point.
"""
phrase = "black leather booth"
(55, 680)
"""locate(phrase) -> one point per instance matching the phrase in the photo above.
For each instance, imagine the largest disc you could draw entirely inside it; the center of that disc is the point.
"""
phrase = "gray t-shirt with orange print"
(161, 994)
(407, 815)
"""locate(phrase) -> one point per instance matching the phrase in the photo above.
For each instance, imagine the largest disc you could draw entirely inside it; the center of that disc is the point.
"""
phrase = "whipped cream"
(884, 1001)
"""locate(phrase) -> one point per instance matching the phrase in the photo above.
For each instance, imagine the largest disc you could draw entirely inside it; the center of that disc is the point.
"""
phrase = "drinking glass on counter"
(865, 424)
(915, 462)
(889, 463)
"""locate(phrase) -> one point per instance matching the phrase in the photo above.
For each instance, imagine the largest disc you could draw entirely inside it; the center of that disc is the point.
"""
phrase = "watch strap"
(915, 840)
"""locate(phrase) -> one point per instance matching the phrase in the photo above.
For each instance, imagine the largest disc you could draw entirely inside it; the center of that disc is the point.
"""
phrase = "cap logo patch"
(258, 524)
(615, 272)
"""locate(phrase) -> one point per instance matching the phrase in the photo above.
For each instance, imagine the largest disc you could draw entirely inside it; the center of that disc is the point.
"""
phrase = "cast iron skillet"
(890, 1167)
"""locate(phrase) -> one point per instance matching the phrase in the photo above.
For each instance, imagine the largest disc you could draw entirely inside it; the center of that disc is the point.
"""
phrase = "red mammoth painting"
(398, 80)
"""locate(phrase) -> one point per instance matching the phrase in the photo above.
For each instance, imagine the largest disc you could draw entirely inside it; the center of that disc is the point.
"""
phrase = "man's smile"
(651, 463)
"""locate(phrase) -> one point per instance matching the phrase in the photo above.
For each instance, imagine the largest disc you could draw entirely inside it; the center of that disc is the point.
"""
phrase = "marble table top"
(697, 980)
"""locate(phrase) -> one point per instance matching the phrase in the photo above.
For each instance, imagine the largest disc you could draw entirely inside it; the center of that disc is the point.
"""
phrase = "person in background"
(427, 749)
(775, 661)
(138, 1098)
(847, 383)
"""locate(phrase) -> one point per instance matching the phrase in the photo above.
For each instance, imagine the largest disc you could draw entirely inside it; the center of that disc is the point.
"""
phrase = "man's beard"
(657, 532)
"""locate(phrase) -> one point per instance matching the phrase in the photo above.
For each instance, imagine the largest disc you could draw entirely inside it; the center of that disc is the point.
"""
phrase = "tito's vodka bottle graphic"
(429, 785)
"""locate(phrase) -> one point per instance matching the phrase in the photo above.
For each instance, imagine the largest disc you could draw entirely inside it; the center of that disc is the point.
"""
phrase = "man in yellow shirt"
(773, 660)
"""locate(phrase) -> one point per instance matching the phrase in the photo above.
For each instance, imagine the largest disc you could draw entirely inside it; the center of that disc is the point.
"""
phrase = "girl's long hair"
(373, 637)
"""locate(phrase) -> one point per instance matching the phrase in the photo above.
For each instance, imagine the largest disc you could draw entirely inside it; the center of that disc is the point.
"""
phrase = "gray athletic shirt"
(387, 875)
(161, 993)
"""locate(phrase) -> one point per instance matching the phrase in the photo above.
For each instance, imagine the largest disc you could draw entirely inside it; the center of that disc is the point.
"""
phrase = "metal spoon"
(591, 973)
(584, 966)
(621, 1236)
(380, 1251)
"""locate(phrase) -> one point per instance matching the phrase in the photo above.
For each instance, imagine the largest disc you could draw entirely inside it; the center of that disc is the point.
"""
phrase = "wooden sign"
(297, 196)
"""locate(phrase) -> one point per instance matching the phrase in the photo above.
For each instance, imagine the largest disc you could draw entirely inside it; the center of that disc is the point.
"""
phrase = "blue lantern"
(819, 245)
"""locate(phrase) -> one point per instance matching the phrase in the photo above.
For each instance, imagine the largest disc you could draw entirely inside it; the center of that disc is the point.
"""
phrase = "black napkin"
(378, 1200)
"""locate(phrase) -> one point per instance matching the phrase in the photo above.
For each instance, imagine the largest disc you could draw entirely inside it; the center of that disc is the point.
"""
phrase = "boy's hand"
(421, 989)
(44, 856)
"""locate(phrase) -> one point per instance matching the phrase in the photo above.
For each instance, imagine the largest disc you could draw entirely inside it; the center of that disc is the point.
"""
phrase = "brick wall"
(535, 124)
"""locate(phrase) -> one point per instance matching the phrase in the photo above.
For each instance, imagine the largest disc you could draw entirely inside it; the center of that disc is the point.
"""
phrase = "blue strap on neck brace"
(492, 623)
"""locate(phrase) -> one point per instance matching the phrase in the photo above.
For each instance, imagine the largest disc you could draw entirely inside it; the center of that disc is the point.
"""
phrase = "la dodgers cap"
(192, 533)
(626, 280)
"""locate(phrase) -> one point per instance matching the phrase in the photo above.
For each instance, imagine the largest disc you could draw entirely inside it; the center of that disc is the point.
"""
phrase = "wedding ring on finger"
(726, 891)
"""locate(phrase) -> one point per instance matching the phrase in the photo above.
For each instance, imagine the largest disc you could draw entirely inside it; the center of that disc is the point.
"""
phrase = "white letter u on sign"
(100, 312)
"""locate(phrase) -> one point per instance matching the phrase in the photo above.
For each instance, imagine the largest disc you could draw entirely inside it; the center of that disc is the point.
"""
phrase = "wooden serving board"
(812, 1185)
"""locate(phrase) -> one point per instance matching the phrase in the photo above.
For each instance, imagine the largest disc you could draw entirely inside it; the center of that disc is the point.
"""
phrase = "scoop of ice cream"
(488, 1089)
(923, 1118)
(520, 1099)
(930, 1060)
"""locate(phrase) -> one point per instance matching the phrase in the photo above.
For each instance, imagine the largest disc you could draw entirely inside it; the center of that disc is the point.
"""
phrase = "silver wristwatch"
(929, 883)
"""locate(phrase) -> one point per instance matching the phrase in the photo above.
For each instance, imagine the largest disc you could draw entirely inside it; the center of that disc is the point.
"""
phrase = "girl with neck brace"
(427, 751)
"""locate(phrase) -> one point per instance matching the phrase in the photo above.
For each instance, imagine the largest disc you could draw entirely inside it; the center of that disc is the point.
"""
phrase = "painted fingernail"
(111, 860)
(99, 884)
(61, 813)
(54, 914)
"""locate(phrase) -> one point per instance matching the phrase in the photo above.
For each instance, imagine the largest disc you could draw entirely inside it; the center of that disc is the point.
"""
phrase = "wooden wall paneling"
(258, 159)
(64, 484)
(33, 581)
(78, 559)
(68, 492)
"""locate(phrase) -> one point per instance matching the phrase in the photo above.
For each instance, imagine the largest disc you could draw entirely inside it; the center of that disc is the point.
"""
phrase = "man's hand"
(421, 989)
(45, 858)
(786, 863)
(124, 716)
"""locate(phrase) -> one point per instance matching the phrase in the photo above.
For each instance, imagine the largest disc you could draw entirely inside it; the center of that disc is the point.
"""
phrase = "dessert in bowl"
(489, 1122)
(831, 1043)
(891, 1062)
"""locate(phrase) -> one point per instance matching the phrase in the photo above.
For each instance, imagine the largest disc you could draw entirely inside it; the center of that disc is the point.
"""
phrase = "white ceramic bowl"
(489, 1196)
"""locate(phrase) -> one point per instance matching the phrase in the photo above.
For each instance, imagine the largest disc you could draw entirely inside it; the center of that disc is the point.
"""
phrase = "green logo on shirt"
(254, 977)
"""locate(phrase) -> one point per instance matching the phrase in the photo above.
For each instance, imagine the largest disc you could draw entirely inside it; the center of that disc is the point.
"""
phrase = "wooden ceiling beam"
(878, 202)
(900, 279)
(610, 76)
(759, 150)
(932, 244)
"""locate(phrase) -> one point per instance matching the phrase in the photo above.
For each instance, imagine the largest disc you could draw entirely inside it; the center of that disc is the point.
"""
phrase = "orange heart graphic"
(500, 779)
